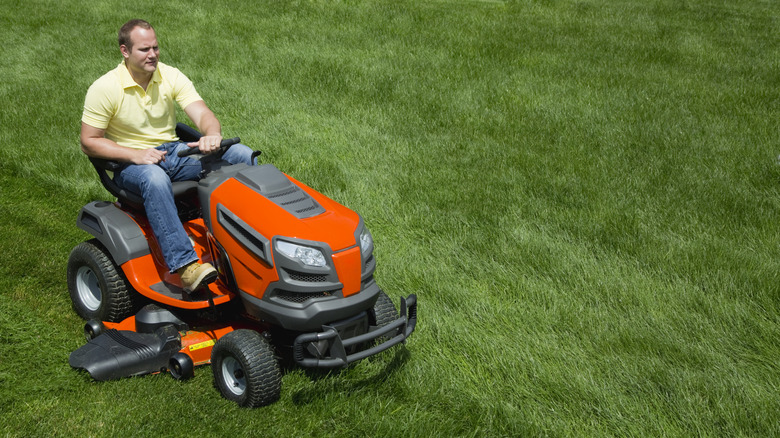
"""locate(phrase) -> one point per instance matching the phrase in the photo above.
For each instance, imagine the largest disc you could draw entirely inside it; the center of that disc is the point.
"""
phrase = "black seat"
(184, 192)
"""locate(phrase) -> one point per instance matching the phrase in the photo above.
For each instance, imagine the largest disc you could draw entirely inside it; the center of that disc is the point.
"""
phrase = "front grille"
(297, 297)
(306, 277)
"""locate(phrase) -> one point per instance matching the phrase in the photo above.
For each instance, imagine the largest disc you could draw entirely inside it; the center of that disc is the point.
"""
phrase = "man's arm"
(207, 123)
(96, 145)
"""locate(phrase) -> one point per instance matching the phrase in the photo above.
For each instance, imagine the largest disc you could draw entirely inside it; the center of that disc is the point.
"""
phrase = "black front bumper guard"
(337, 356)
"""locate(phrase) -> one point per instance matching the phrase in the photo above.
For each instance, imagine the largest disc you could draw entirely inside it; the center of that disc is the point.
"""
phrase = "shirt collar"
(128, 81)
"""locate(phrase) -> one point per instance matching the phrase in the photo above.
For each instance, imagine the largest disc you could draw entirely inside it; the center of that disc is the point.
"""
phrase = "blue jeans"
(153, 183)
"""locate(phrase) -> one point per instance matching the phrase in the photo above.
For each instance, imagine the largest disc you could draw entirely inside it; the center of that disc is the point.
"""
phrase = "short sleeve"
(100, 104)
(183, 90)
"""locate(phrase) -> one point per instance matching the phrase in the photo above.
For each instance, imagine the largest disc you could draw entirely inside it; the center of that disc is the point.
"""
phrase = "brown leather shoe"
(195, 274)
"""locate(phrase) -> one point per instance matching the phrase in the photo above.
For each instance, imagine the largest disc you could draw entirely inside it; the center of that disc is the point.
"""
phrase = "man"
(129, 117)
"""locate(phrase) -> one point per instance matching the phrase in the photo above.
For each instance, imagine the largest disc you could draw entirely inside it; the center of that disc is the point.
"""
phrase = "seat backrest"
(182, 189)
(124, 196)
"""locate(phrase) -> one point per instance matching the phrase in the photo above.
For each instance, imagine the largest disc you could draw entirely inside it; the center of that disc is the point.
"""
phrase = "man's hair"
(124, 31)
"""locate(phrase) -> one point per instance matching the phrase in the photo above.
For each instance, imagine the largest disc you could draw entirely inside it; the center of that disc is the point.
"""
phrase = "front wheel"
(245, 369)
(98, 288)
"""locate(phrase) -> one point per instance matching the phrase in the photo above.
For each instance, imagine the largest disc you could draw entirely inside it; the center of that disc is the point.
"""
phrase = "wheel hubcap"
(88, 288)
(233, 375)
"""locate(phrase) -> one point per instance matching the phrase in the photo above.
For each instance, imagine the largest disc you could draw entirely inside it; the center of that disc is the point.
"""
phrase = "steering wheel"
(224, 145)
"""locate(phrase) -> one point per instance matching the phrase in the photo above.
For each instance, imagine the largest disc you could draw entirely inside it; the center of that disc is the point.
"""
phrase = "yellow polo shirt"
(133, 117)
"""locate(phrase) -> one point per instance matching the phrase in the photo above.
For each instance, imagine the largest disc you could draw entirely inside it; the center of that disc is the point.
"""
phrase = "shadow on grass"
(325, 382)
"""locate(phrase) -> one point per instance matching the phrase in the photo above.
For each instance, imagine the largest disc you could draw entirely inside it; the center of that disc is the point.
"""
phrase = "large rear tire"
(245, 369)
(98, 288)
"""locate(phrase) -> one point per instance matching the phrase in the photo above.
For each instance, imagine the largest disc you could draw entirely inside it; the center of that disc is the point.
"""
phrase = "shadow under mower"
(295, 281)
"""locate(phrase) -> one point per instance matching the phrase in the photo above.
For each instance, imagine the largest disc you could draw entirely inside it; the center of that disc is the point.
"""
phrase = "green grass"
(583, 195)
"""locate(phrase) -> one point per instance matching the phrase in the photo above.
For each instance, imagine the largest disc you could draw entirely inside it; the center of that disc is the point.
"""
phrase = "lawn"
(583, 195)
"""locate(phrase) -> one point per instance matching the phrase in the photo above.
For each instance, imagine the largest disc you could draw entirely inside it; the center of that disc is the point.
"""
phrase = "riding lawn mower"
(295, 283)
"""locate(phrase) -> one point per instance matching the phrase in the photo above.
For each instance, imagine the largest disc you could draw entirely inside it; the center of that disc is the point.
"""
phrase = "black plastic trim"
(337, 356)
(118, 353)
(119, 233)
(314, 313)
(255, 242)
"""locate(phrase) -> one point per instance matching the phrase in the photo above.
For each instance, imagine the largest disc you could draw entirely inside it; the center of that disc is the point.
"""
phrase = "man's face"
(142, 58)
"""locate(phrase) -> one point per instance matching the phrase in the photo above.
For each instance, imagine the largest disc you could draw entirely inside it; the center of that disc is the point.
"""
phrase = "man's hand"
(207, 144)
(147, 156)
(94, 144)
(208, 124)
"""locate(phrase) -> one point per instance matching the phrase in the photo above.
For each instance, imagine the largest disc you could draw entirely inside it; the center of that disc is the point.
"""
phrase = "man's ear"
(125, 51)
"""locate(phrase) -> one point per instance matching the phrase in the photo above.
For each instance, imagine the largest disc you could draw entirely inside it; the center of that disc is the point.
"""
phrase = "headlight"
(366, 241)
(304, 254)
